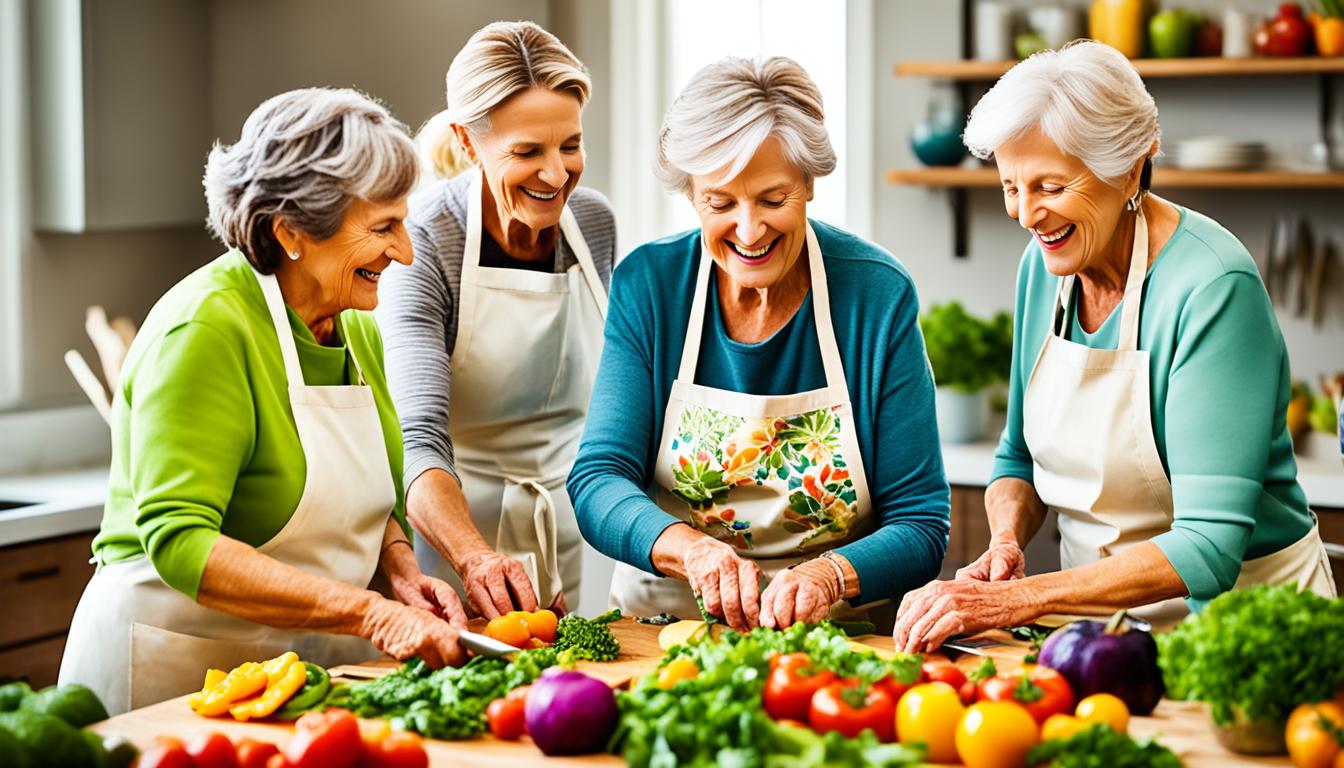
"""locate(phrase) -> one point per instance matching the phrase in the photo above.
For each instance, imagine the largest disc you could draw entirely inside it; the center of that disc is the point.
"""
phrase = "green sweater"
(203, 440)
(1219, 387)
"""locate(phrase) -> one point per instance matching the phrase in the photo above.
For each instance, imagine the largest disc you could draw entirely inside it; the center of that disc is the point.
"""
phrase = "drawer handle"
(39, 573)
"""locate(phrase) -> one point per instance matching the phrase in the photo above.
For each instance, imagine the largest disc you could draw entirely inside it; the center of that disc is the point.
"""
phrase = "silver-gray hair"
(303, 156)
(1085, 97)
(502, 59)
(730, 108)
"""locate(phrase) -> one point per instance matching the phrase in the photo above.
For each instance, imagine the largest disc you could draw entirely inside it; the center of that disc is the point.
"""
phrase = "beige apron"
(136, 641)
(1087, 423)
(780, 478)
(527, 349)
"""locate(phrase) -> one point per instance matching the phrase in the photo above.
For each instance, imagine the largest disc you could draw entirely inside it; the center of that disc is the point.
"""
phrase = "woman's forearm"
(1014, 510)
(1140, 575)
(397, 556)
(437, 508)
(246, 583)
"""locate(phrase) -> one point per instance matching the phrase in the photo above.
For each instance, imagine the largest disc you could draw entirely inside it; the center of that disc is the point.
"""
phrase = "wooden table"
(1182, 726)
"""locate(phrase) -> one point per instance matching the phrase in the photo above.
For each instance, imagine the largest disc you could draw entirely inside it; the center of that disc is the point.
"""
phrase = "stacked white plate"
(1215, 153)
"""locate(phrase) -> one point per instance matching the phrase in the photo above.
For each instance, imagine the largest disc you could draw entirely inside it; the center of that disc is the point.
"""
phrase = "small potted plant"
(967, 355)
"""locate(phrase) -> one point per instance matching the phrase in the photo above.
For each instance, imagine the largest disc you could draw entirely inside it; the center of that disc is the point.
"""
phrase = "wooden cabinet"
(40, 585)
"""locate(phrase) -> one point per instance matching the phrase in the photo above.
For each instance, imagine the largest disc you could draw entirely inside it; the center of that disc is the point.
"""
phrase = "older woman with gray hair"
(494, 332)
(1134, 318)
(255, 481)
(764, 408)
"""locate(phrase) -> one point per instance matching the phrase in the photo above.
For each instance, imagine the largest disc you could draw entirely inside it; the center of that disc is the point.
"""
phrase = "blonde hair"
(1086, 97)
(500, 60)
(441, 157)
(730, 108)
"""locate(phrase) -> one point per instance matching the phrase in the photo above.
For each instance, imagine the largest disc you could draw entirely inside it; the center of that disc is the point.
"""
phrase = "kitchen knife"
(485, 646)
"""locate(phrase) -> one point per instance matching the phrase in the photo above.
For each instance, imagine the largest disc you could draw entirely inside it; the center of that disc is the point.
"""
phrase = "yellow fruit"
(995, 734)
(676, 670)
(929, 712)
(1059, 727)
(1104, 708)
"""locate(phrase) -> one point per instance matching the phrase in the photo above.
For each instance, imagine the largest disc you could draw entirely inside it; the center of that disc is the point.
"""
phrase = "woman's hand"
(493, 581)
(1002, 561)
(940, 609)
(803, 593)
(402, 632)
(729, 585)
(427, 593)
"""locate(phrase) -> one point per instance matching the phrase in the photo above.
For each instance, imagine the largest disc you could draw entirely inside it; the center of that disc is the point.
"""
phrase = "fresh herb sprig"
(1101, 747)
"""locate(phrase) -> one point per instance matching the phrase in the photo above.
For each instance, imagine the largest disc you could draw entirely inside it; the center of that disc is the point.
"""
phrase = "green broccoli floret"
(588, 638)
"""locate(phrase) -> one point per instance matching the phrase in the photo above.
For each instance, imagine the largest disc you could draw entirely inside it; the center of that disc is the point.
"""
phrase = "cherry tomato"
(944, 672)
(995, 734)
(967, 693)
(167, 752)
(212, 750)
(1043, 691)
(506, 718)
(398, 749)
(1310, 745)
(929, 713)
(327, 739)
(254, 754)
(510, 628)
(845, 707)
(1104, 708)
(676, 670)
(1060, 727)
(790, 685)
(541, 624)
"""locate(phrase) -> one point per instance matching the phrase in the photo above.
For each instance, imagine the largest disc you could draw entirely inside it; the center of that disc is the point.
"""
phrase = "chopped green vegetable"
(13, 694)
(661, 620)
(1101, 747)
(986, 670)
(1261, 650)
(588, 638)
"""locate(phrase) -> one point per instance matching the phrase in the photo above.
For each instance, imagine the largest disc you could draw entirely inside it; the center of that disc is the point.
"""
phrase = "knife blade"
(485, 646)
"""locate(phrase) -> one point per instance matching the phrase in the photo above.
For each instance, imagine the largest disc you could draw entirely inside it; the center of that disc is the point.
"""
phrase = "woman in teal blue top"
(763, 407)
(1150, 381)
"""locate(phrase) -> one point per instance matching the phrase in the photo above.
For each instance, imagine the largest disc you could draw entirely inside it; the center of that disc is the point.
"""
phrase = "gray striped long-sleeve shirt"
(417, 309)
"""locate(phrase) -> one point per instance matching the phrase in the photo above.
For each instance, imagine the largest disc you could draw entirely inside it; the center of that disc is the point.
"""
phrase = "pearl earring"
(293, 255)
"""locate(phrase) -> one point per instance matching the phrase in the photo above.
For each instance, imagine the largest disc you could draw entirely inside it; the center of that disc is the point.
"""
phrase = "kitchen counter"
(34, 507)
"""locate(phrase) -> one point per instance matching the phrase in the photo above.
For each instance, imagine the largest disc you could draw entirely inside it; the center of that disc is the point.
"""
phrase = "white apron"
(527, 350)
(136, 641)
(1087, 423)
(780, 478)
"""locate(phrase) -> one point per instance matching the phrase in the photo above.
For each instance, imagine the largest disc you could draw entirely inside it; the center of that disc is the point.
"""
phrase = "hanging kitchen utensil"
(1303, 256)
(1266, 264)
(1320, 271)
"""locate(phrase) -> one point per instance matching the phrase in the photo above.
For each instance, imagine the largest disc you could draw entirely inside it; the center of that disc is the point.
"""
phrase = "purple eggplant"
(1116, 657)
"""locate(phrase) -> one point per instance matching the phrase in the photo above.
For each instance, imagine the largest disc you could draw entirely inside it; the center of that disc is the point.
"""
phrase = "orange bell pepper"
(1329, 35)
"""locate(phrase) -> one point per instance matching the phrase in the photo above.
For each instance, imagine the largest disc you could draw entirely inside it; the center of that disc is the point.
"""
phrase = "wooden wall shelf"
(1174, 178)
(1203, 67)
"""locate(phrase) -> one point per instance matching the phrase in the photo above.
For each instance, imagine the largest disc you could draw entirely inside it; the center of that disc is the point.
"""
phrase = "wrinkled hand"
(1003, 560)
(804, 593)
(427, 593)
(489, 578)
(729, 585)
(402, 632)
(558, 605)
(940, 609)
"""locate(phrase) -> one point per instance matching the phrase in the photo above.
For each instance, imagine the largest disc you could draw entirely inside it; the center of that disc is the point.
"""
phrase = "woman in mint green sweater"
(255, 481)
(1149, 383)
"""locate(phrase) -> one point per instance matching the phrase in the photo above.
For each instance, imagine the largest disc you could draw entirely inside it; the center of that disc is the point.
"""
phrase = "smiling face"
(532, 156)
(342, 271)
(1073, 215)
(754, 225)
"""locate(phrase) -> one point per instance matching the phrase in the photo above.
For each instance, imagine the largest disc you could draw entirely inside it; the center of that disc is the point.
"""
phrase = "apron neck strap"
(275, 304)
(821, 312)
(1130, 302)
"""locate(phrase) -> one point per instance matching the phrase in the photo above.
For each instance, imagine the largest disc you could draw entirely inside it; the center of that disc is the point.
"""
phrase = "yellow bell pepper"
(1329, 35)
(213, 677)
(243, 682)
(278, 667)
(276, 694)
(1119, 24)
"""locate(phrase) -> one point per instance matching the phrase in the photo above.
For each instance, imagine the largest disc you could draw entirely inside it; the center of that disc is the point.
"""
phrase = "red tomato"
(506, 719)
(254, 754)
(944, 672)
(167, 752)
(843, 707)
(398, 750)
(212, 750)
(967, 693)
(1043, 691)
(278, 761)
(895, 688)
(327, 739)
(790, 685)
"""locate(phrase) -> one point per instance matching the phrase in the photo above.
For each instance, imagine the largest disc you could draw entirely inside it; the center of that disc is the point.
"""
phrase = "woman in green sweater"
(255, 486)
(1150, 380)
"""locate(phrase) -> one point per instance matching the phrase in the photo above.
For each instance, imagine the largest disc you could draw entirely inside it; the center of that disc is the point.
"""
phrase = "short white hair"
(505, 58)
(303, 157)
(730, 108)
(1085, 97)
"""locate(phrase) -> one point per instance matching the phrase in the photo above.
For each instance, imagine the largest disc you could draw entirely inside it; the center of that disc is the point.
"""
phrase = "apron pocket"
(167, 664)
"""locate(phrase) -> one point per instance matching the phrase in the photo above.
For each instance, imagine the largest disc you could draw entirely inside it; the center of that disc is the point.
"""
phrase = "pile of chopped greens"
(1101, 747)
(1262, 650)
(717, 717)
(588, 638)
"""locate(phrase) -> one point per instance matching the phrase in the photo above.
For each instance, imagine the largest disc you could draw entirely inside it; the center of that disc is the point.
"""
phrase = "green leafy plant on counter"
(1101, 747)
(1261, 650)
(588, 638)
(967, 353)
(717, 718)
